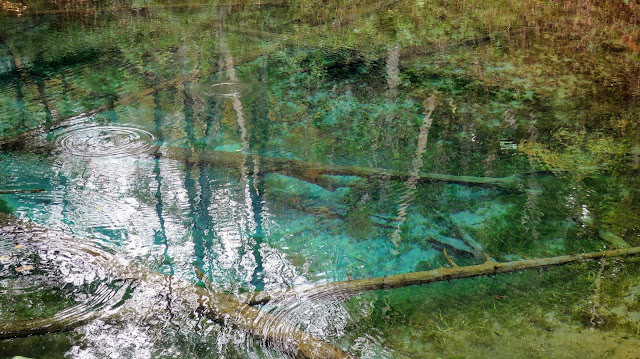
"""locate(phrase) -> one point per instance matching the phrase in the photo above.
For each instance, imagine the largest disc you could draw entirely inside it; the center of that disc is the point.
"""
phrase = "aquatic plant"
(4, 206)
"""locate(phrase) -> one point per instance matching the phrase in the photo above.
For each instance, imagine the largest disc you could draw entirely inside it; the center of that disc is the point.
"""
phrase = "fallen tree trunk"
(312, 171)
(489, 267)
(18, 191)
(26, 328)
(346, 289)
(16, 141)
(230, 311)
(218, 306)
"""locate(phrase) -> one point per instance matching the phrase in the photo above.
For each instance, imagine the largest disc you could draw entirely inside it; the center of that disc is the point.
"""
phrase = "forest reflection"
(262, 146)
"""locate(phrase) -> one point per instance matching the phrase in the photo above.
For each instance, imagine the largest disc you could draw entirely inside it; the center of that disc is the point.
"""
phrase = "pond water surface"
(264, 147)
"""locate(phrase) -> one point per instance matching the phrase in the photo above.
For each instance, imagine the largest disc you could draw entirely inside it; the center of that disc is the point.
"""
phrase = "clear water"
(277, 145)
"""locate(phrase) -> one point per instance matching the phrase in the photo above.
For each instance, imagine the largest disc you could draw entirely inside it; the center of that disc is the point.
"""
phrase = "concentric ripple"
(223, 89)
(51, 283)
(104, 141)
(319, 315)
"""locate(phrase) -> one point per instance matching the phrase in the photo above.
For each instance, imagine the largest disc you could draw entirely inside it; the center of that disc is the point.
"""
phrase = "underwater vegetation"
(4, 207)
(251, 151)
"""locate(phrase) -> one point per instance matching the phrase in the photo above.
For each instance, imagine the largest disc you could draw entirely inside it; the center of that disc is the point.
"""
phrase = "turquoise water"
(263, 147)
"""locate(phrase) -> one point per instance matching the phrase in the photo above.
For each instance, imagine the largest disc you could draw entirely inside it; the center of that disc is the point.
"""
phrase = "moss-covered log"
(489, 267)
(57, 323)
(18, 191)
(14, 141)
(231, 311)
(312, 171)
(346, 289)
(218, 306)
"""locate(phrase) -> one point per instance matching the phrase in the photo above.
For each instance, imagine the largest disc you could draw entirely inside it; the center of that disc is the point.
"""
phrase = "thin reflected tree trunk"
(160, 235)
(35, 87)
(202, 226)
(414, 174)
(259, 135)
(393, 81)
(251, 195)
(531, 214)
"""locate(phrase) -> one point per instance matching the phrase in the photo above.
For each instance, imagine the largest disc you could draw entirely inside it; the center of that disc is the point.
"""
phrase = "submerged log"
(224, 308)
(346, 289)
(231, 311)
(489, 267)
(58, 323)
(313, 171)
(218, 306)
(19, 191)
(17, 141)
